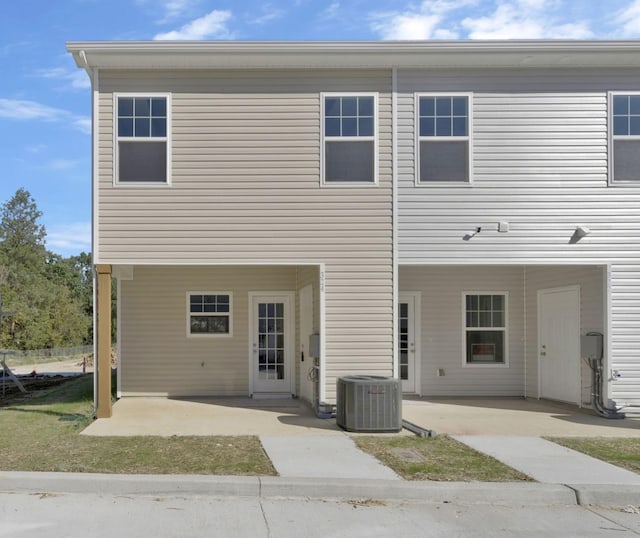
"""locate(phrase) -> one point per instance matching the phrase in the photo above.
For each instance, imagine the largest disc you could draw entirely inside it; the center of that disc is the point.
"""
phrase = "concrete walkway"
(302, 446)
(548, 462)
(322, 456)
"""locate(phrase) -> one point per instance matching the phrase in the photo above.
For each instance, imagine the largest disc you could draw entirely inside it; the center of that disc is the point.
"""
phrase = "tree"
(21, 235)
(50, 295)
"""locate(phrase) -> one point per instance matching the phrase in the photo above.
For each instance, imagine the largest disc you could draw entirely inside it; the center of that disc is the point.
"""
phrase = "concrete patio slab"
(334, 456)
(513, 416)
(548, 462)
(212, 416)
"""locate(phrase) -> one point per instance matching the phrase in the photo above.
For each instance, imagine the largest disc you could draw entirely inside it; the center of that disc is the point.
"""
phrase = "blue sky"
(45, 100)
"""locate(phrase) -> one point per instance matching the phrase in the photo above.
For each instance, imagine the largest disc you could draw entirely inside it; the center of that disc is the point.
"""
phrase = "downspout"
(94, 76)
(526, 331)
(394, 218)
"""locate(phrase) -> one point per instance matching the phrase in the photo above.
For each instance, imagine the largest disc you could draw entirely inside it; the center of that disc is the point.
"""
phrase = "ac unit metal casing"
(368, 403)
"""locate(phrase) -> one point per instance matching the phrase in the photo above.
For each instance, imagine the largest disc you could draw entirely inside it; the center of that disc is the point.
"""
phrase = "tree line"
(50, 296)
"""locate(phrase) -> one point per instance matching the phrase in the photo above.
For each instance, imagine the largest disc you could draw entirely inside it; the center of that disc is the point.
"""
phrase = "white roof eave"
(379, 54)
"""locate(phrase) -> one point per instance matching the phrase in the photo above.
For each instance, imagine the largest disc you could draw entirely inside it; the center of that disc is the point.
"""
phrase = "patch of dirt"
(34, 384)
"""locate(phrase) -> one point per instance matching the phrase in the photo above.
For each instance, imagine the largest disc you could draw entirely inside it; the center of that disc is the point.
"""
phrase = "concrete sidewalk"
(549, 462)
(322, 456)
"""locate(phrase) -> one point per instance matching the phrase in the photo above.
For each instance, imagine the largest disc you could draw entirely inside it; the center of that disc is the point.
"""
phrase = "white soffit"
(378, 54)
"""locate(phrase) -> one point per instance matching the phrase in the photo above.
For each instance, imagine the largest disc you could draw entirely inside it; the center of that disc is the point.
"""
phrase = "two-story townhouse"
(455, 214)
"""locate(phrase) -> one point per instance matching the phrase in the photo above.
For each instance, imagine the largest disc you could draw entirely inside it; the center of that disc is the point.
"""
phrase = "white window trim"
(611, 137)
(466, 364)
(167, 139)
(418, 139)
(189, 314)
(374, 138)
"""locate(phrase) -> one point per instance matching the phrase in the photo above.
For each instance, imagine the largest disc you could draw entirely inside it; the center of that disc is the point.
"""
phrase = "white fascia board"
(365, 54)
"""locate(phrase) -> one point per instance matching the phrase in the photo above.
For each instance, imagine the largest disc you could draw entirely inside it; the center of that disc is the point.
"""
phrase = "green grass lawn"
(441, 458)
(42, 434)
(624, 452)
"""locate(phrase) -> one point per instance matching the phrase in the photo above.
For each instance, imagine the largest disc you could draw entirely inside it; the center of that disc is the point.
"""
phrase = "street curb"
(120, 484)
(613, 495)
(494, 493)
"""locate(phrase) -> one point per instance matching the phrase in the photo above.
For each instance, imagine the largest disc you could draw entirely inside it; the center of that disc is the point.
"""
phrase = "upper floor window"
(349, 138)
(443, 125)
(625, 143)
(142, 139)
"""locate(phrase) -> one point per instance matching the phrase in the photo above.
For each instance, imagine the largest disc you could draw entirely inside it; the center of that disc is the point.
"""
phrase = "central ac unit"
(369, 403)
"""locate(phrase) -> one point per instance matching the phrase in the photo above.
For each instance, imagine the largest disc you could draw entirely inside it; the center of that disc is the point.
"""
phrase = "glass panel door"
(271, 348)
(270, 341)
(407, 345)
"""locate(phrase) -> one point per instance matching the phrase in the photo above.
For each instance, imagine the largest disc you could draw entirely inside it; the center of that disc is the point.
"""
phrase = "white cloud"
(61, 164)
(176, 8)
(525, 19)
(77, 78)
(213, 25)
(69, 238)
(18, 109)
(485, 19)
(412, 26)
(269, 13)
(82, 123)
(171, 9)
(23, 110)
(629, 19)
(35, 148)
(330, 12)
(423, 22)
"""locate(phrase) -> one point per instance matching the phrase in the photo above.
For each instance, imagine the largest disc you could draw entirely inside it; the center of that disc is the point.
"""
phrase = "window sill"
(455, 184)
(144, 184)
(342, 184)
(209, 335)
(485, 365)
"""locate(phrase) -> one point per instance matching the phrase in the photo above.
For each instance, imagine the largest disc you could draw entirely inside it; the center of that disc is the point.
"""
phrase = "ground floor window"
(485, 328)
(209, 313)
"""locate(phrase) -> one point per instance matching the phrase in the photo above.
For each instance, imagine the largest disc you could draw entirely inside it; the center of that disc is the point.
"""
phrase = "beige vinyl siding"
(442, 338)
(246, 189)
(592, 310)
(245, 174)
(540, 161)
(158, 358)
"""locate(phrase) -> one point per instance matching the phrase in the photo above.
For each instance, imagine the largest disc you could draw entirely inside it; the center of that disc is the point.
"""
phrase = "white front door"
(271, 333)
(305, 324)
(559, 344)
(408, 340)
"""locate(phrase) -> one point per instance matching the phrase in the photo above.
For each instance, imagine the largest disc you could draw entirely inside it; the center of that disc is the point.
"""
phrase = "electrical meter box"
(314, 345)
(591, 346)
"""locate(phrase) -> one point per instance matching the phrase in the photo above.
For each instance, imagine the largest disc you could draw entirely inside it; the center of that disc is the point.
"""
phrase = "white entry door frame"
(305, 324)
(271, 337)
(559, 344)
(409, 337)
